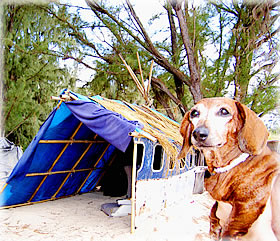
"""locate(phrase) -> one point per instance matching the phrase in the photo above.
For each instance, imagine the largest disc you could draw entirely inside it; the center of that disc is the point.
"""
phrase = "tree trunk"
(157, 83)
(195, 87)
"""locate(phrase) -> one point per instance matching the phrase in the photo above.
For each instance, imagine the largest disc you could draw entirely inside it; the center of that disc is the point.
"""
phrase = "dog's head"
(212, 122)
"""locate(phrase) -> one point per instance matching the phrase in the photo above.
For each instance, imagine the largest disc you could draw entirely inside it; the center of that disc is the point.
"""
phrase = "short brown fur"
(247, 187)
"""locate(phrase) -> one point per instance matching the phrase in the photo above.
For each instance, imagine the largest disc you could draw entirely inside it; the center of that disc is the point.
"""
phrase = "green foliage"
(245, 51)
(32, 73)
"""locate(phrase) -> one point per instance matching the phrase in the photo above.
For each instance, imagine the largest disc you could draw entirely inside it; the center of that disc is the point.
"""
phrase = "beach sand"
(80, 218)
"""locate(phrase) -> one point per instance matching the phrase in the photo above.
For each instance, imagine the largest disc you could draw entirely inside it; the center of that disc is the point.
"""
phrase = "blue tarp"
(45, 171)
(112, 126)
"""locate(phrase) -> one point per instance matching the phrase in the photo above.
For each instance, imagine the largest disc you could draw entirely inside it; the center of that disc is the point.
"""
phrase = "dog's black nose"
(201, 133)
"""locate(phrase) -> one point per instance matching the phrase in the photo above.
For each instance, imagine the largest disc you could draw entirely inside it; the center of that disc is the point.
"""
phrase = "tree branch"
(158, 58)
(163, 87)
(267, 38)
(226, 9)
(18, 125)
(174, 44)
(75, 33)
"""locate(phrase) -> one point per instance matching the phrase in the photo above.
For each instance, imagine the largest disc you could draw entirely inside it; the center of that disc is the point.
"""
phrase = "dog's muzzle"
(200, 134)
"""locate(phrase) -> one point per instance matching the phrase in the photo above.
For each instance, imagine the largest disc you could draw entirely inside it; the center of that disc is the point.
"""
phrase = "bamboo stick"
(3, 188)
(69, 141)
(143, 134)
(133, 198)
(73, 169)
(58, 172)
(55, 98)
(141, 73)
(79, 189)
(150, 78)
(73, 96)
(56, 160)
(59, 104)
(67, 96)
(134, 77)
(31, 203)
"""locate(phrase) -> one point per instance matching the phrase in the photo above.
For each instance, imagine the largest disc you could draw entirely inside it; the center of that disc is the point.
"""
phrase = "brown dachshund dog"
(243, 172)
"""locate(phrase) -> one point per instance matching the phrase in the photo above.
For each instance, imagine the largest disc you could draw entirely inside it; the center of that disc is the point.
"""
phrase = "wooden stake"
(133, 187)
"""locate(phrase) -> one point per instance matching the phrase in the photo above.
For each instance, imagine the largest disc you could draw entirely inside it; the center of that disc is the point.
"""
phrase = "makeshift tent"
(81, 138)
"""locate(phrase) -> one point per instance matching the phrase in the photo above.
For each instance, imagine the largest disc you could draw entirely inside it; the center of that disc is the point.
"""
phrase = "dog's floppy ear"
(186, 131)
(253, 135)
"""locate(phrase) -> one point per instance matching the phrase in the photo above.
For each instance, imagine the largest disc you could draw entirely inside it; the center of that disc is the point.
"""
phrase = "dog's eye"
(223, 112)
(194, 114)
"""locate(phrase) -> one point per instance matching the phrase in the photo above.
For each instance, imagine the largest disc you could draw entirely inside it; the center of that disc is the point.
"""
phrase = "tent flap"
(111, 126)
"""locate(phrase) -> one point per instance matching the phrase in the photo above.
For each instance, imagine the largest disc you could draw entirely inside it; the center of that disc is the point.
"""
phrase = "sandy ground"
(80, 218)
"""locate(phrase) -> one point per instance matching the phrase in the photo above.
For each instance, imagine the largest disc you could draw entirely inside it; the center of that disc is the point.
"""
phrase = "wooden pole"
(69, 141)
(150, 78)
(133, 187)
(59, 172)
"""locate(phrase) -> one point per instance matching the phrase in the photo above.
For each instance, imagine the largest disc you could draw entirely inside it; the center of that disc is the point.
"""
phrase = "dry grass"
(165, 130)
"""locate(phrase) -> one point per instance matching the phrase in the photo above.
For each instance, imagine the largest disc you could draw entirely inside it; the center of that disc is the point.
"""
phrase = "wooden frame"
(68, 172)
(61, 172)
(55, 161)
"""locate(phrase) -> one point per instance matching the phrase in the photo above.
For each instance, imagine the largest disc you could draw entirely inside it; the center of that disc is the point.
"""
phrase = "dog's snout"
(201, 133)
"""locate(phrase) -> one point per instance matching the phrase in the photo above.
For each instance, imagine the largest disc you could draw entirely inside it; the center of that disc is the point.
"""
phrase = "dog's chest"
(219, 186)
(234, 185)
(246, 181)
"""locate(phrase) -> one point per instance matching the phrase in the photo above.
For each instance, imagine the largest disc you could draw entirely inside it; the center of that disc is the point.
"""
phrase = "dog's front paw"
(215, 230)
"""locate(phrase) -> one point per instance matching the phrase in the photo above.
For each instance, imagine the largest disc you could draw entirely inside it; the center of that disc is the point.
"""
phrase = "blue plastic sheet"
(110, 125)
